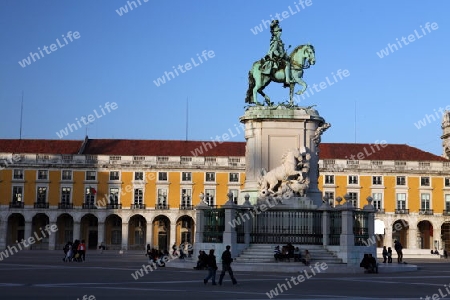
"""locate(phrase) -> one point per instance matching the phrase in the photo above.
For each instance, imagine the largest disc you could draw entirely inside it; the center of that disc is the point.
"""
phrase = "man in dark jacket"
(212, 268)
(399, 248)
(226, 265)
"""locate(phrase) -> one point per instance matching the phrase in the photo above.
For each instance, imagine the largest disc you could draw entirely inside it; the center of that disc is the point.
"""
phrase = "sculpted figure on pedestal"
(319, 131)
(289, 179)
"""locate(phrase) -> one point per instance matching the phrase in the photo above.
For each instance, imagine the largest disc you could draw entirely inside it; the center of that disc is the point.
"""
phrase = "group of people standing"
(387, 253)
(226, 267)
(75, 251)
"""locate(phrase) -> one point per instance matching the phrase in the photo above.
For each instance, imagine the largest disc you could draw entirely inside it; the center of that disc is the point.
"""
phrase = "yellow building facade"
(127, 194)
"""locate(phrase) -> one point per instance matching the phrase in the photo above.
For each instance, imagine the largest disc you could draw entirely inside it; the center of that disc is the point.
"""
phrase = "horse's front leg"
(297, 76)
(303, 84)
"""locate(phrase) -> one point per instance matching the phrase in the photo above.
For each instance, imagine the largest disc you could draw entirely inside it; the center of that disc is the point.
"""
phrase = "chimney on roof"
(446, 134)
(81, 150)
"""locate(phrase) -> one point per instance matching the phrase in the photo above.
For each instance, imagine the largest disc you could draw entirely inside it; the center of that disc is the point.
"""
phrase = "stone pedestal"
(270, 132)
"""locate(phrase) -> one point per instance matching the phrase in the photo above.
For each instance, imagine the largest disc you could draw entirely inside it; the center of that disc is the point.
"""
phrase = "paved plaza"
(43, 275)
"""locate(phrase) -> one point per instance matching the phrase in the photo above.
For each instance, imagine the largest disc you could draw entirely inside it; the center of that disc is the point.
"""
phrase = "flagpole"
(187, 117)
(21, 115)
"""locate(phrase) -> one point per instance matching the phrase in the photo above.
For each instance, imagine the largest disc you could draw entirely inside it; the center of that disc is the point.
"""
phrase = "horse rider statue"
(277, 56)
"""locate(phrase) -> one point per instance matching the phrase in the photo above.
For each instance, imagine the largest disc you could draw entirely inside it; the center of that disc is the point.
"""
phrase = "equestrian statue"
(279, 67)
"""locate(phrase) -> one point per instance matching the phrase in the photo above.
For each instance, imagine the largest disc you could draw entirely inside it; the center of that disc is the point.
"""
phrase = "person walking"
(226, 265)
(212, 268)
(385, 254)
(389, 255)
(398, 248)
(82, 251)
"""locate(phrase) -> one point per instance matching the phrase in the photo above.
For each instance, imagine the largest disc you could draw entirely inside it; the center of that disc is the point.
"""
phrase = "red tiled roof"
(40, 146)
(375, 152)
(163, 148)
(207, 148)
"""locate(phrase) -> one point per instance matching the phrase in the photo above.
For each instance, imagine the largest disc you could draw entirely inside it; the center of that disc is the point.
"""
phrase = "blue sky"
(118, 58)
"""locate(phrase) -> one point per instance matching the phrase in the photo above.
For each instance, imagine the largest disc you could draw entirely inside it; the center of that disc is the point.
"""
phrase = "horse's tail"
(251, 84)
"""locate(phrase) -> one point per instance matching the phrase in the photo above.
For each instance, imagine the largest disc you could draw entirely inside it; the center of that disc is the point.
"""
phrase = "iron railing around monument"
(361, 227)
(335, 230)
(287, 226)
(239, 221)
(214, 220)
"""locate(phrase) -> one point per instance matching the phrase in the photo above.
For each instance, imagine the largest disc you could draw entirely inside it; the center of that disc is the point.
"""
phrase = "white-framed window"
(425, 181)
(329, 179)
(377, 200)
(352, 179)
(377, 180)
(91, 175)
(186, 197)
(89, 195)
(401, 180)
(234, 177)
(447, 181)
(17, 194)
(41, 195)
(235, 193)
(138, 196)
(114, 175)
(210, 198)
(186, 176)
(42, 174)
(18, 174)
(162, 176)
(114, 195)
(447, 202)
(65, 194)
(353, 198)
(66, 175)
(210, 177)
(401, 200)
(138, 175)
(162, 197)
(330, 197)
(425, 201)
